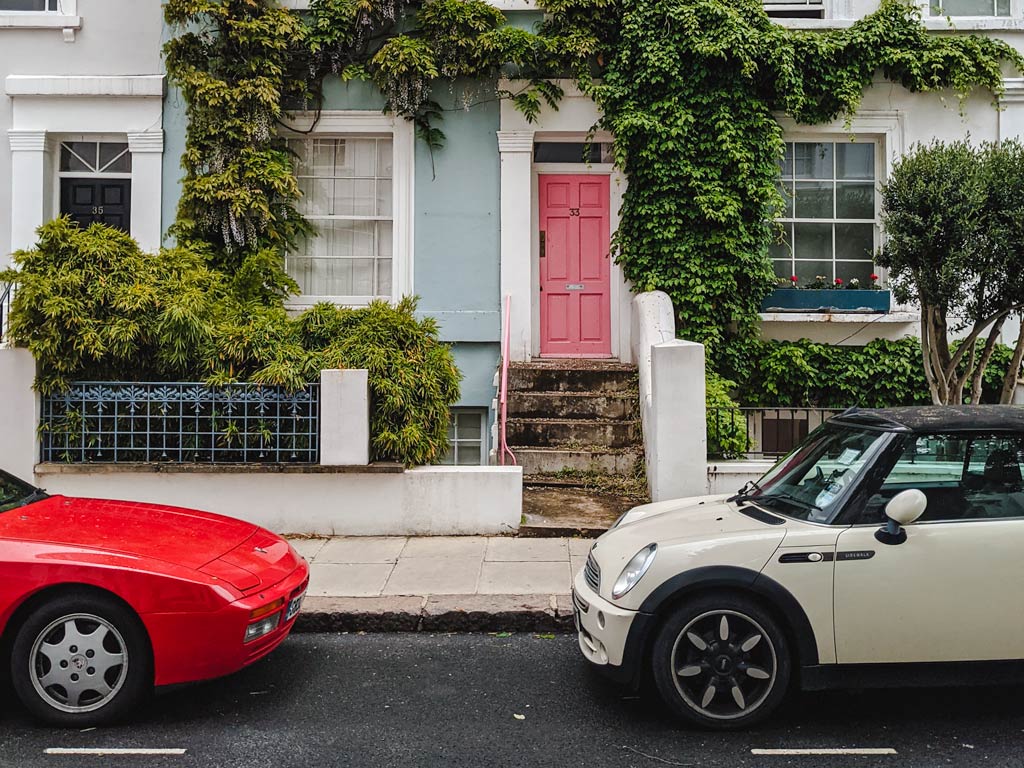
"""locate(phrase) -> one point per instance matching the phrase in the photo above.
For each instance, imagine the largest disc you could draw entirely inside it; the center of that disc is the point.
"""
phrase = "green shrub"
(882, 373)
(727, 427)
(91, 305)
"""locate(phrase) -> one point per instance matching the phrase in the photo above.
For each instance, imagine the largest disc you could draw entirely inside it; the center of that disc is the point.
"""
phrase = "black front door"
(107, 201)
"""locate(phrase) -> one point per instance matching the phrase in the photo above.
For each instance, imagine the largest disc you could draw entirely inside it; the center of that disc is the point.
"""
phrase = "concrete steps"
(580, 434)
(546, 460)
(574, 426)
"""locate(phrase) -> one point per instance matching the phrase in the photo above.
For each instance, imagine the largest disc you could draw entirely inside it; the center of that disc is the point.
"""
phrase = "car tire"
(721, 661)
(81, 659)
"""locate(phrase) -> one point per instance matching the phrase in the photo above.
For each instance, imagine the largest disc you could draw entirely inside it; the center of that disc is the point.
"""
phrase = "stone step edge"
(437, 613)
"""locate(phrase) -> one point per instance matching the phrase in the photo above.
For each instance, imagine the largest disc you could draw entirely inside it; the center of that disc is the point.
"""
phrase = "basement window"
(467, 438)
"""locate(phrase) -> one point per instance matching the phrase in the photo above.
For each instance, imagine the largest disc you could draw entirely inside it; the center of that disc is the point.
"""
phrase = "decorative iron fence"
(103, 421)
(737, 433)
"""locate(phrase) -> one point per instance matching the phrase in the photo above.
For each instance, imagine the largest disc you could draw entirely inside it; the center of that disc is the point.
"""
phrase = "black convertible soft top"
(938, 418)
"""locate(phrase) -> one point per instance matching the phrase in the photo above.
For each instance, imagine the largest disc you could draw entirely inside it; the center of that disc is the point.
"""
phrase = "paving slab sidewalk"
(439, 583)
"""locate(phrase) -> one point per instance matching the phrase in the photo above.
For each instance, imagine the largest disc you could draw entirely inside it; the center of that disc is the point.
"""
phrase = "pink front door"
(575, 283)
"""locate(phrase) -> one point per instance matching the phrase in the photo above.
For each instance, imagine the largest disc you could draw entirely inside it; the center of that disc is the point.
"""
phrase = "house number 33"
(574, 211)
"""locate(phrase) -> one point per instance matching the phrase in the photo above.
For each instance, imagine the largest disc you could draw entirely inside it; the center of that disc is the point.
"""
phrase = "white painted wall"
(19, 413)
(730, 476)
(117, 39)
(426, 501)
(672, 400)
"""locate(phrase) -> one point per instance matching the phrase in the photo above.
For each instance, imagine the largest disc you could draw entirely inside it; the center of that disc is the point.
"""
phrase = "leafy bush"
(727, 427)
(803, 373)
(91, 305)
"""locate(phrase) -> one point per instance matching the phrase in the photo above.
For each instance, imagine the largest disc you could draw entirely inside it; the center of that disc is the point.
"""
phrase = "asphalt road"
(452, 700)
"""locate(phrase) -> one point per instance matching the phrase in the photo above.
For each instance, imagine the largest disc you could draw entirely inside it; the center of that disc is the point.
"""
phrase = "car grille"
(592, 574)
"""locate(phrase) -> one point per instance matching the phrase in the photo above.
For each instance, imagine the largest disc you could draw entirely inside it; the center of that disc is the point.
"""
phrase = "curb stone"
(437, 613)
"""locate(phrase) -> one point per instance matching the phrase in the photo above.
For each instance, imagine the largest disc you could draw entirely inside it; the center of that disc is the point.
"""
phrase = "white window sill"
(30, 20)
(932, 24)
(854, 318)
(307, 302)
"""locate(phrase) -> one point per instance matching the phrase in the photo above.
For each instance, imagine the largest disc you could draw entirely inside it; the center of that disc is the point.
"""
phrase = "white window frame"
(1016, 12)
(353, 124)
(66, 18)
(484, 434)
(888, 127)
(835, 139)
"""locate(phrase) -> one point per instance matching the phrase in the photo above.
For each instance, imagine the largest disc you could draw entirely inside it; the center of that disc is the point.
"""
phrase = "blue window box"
(826, 300)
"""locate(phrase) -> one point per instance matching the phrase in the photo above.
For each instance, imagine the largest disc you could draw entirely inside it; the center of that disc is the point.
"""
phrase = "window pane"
(385, 206)
(809, 271)
(855, 270)
(813, 160)
(968, 8)
(385, 158)
(78, 156)
(812, 241)
(855, 201)
(1002, 7)
(786, 163)
(317, 197)
(468, 425)
(814, 199)
(361, 157)
(341, 261)
(115, 157)
(786, 190)
(469, 454)
(855, 161)
(321, 158)
(27, 5)
(855, 241)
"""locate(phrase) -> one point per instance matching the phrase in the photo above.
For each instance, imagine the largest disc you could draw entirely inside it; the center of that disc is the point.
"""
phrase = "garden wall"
(342, 495)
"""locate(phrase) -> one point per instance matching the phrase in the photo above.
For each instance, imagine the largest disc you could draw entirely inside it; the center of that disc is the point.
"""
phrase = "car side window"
(964, 476)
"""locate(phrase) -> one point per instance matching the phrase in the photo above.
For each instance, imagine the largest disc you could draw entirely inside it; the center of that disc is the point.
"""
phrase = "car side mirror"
(903, 509)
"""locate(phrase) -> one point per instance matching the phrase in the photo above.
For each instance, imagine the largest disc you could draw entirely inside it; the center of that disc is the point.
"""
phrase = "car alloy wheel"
(725, 664)
(721, 661)
(78, 663)
(80, 659)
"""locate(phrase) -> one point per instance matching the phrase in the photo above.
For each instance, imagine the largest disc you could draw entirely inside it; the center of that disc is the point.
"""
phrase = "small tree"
(954, 229)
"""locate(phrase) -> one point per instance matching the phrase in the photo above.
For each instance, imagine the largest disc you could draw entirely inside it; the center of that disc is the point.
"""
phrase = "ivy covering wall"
(688, 88)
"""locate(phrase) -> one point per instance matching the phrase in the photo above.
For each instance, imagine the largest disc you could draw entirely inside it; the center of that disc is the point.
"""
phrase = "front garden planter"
(826, 300)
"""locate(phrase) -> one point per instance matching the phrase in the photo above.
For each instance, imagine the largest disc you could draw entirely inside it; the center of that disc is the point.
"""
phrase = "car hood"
(184, 537)
(690, 533)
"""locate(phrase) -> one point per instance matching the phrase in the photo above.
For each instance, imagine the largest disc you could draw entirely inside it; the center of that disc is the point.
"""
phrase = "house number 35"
(97, 209)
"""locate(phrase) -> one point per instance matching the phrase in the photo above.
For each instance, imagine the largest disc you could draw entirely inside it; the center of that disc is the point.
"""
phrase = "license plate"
(294, 607)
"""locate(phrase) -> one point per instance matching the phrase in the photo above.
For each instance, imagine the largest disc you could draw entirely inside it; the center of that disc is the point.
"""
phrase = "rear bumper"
(188, 647)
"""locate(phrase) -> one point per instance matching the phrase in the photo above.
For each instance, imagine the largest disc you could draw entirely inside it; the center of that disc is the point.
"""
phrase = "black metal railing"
(738, 433)
(182, 422)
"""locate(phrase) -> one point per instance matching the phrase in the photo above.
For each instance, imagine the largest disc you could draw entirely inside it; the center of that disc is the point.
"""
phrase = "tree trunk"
(986, 354)
(1010, 379)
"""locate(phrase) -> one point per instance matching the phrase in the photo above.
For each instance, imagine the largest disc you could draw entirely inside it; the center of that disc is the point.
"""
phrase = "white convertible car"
(887, 549)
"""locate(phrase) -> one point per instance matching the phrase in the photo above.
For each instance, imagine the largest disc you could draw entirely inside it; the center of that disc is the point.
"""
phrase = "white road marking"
(792, 752)
(110, 751)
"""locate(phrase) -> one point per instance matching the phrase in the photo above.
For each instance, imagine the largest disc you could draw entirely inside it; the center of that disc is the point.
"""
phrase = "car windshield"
(812, 482)
(15, 493)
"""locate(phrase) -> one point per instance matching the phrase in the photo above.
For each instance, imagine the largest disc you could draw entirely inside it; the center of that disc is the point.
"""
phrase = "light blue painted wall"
(456, 221)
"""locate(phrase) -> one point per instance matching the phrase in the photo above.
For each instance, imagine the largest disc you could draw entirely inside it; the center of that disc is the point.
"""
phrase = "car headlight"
(634, 571)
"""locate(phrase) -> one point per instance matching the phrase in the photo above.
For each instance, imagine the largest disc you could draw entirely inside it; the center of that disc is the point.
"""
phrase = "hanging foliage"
(689, 89)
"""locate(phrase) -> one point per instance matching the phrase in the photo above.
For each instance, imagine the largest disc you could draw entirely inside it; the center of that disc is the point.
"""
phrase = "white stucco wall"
(116, 38)
(426, 501)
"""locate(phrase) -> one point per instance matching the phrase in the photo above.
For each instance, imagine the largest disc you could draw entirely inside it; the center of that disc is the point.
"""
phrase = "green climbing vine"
(688, 88)
(242, 64)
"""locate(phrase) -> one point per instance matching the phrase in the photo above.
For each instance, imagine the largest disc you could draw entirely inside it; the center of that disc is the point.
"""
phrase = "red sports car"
(100, 601)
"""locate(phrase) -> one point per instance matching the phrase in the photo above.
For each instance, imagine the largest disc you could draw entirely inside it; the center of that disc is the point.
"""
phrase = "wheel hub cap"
(78, 663)
(725, 665)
